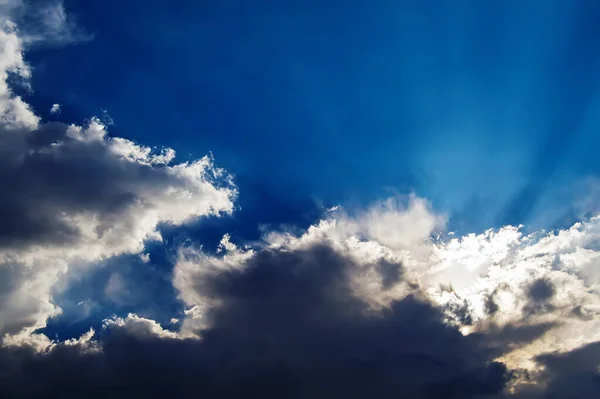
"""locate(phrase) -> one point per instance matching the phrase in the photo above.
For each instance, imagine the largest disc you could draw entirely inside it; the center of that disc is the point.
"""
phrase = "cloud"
(380, 302)
(287, 324)
(14, 112)
(55, 109)
(574, 374)
(527, 295)
(43, 22)
(287, 321)
(74, 196)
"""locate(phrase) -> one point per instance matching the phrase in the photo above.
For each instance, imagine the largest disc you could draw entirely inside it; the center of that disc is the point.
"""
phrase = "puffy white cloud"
(73, 196)
(507, 277)
(139, 327)
(14, 112)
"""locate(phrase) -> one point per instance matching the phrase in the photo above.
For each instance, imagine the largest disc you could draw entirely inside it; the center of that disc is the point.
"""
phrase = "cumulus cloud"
(287, 324)
(73, 196)
(14, 112)
(524, 295)
(302, 317)
(509, 277)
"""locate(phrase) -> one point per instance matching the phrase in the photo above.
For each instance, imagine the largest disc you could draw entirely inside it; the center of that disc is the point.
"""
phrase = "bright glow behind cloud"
(486, 278)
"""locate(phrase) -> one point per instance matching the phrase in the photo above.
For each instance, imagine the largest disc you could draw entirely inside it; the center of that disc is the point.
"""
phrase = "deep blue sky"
(487, 108)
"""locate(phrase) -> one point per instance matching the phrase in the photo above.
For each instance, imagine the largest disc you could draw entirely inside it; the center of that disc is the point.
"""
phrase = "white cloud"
(74, 196)
(139, 327)
(55, 109)
(14, 112)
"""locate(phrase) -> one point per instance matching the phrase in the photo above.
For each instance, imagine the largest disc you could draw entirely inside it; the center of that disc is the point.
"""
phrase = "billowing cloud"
(14, 112)
(322, 314)
(528, 294)
(73, 195)
(287, 324)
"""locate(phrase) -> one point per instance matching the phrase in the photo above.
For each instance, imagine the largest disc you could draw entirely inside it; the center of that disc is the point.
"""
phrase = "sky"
(301, 199)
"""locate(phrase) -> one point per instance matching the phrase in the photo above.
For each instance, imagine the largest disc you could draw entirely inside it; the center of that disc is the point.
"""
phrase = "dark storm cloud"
(288, 326)
(570, 375)
(574, 374)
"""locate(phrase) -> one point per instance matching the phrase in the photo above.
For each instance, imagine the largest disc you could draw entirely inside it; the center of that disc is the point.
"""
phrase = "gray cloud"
(73, 195)
(574, 374)
(287, 325)
(541, 290)
(568, 375)
(47, 175)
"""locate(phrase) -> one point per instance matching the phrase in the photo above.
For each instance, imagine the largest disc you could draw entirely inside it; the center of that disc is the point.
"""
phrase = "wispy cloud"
(44, 22)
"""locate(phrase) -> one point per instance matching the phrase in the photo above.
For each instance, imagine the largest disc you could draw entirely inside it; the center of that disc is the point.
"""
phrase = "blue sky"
(488, 110)
(382, 152)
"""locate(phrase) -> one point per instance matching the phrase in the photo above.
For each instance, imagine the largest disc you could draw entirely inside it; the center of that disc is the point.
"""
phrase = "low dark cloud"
(570, 375)
(575, 374)
(289, 325)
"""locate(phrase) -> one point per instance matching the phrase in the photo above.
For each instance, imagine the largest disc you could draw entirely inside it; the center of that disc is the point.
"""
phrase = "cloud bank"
(328, 314)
